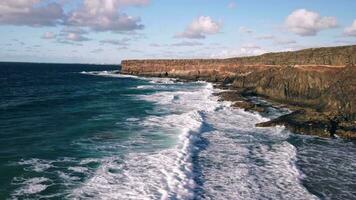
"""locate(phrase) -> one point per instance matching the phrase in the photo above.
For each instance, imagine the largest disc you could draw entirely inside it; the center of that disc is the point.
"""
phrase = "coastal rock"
(239, 101)
(309, 122)
(319, 79)
(340, 97)
(304, 122)
(346, 130)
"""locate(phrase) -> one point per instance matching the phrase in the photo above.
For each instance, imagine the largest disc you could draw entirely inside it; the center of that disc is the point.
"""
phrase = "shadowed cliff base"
(318, 84)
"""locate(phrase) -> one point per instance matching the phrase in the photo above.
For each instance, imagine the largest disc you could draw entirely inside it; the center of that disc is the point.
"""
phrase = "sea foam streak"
(116, 74)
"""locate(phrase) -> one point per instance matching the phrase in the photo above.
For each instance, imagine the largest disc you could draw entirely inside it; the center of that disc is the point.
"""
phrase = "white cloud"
(122, 48)
(74, 30)
(308, 23)
(232, 5)
(345, 42)
(104, 15)
(245, 50)
(186, 43)
(72, 34)
(351, 30)
(30, 13)
(265, 37)
(76, 37)
(178, 44)
(97, 50)
(19, 42)
(250, 46)
(284, 41)
(251, 52)
(121, 42)
(276, 40)
(98, 15)
(48, 35)
(134, 2)
(200, 27)
(243, 29)
(156, 45)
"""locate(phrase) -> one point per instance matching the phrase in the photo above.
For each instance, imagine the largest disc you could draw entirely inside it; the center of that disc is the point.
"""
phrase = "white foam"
(36, 165)
(32, 186)
(132, 119)
(78, 169)
(89, 160)
(200, 99)
(144, 87)
(162, 80)
(68, 179)
(248, 163)
(52, 172)
(240, 162)
(116, 74)
(163, 174)
(113, 73)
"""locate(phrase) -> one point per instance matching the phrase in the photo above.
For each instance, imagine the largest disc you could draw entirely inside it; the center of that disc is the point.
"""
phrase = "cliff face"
(335, 56)
(331, 56)
(323, 79)
(323, 88)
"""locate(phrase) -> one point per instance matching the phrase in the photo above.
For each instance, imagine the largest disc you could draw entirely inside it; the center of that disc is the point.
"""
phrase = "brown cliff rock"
(323, 80)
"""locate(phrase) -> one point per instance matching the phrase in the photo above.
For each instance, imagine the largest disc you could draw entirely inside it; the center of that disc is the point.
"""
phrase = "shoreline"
(305, 121)
(301, 120)
(318, 85)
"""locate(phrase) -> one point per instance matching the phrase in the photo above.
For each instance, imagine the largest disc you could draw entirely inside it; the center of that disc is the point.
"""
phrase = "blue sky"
(108, 31)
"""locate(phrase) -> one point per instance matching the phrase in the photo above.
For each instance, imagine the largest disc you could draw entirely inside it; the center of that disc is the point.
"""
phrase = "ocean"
(87, 132)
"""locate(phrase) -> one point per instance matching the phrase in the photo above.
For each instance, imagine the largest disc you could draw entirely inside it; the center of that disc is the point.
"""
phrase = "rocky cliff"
(322, 80)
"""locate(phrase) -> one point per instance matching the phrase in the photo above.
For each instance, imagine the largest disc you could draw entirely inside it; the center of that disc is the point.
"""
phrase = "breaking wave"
(190, 146)
(240, 160)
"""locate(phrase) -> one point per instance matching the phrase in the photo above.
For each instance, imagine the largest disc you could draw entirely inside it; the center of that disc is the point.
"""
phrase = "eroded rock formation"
(320, 81)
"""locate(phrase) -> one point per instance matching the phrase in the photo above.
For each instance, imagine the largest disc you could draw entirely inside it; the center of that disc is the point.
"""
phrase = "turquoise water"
(86, 132)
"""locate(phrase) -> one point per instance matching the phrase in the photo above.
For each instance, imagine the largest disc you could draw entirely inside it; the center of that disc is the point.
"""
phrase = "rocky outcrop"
(305, 122)
(320, 82)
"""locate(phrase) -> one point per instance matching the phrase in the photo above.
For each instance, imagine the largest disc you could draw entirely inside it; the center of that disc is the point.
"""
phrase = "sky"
(108, 31)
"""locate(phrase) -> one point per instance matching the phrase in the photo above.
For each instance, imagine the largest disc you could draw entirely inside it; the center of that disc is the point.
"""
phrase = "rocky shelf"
(318, 84)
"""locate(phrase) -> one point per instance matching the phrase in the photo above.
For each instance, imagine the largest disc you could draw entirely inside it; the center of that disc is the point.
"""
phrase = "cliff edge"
(319, 84)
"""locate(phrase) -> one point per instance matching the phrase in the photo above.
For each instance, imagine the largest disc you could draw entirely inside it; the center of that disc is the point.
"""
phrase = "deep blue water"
(86, 132)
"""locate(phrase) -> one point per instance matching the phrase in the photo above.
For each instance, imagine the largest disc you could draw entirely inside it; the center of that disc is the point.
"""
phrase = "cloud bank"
(104, 15)
(97, 15)
(30, 13)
